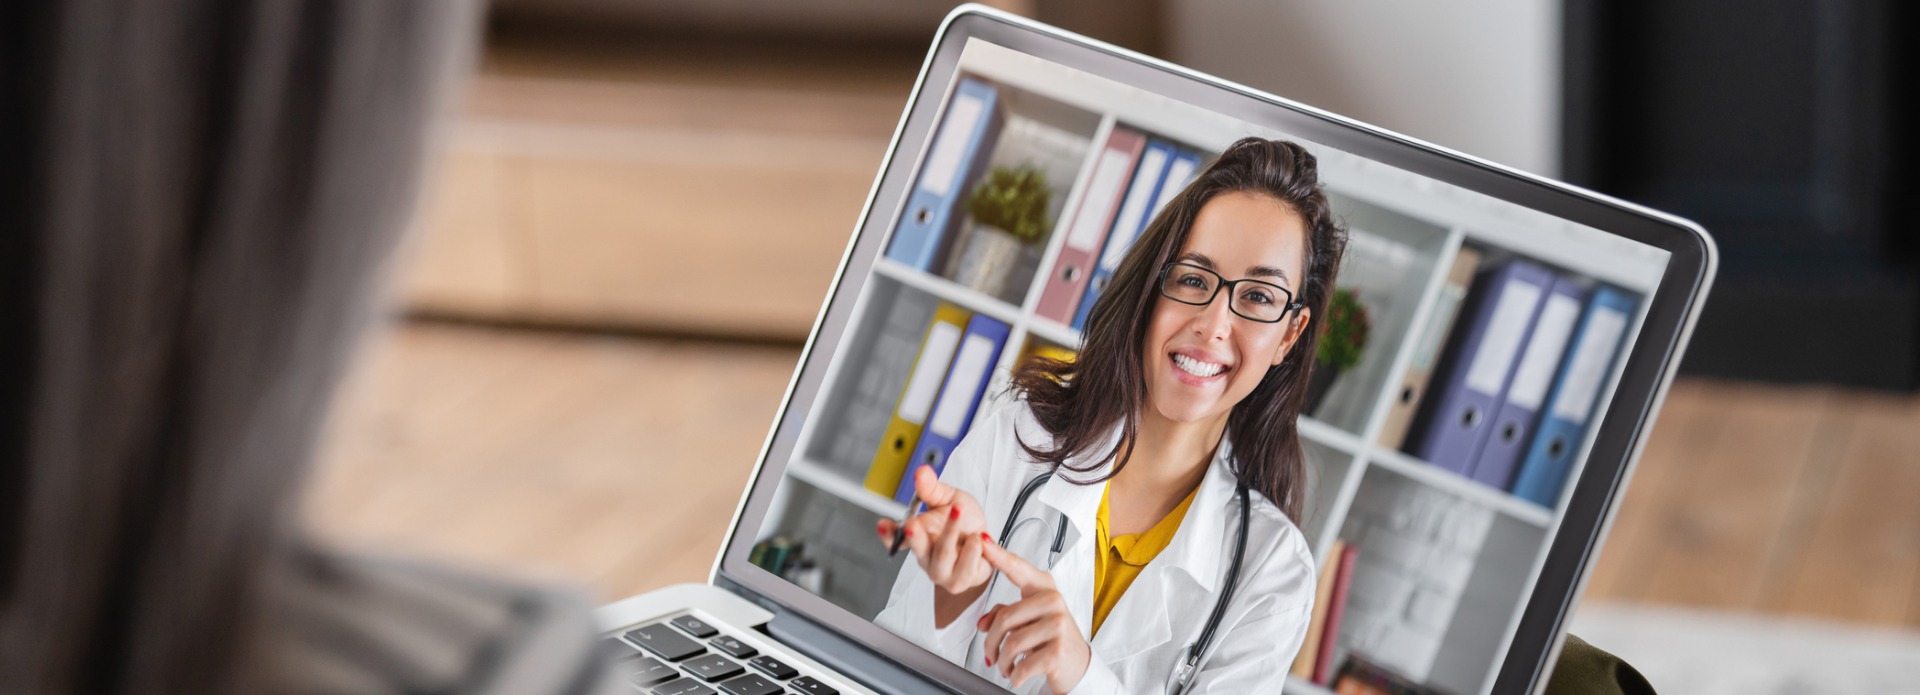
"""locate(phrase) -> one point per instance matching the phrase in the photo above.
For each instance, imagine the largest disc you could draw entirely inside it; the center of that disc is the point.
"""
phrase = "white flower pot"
(989, 260)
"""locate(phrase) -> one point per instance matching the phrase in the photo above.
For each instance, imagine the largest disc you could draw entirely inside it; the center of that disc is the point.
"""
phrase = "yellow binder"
(910, 415)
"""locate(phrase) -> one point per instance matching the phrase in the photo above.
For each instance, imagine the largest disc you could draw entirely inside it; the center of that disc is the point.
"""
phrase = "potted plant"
(1007, 220)
(1343, 337)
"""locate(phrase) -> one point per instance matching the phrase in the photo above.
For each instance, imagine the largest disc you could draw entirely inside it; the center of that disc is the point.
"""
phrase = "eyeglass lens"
(1252, 299)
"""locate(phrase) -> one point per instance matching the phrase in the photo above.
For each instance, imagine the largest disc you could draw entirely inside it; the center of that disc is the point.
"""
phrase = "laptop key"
(807, 684)
(733, 647)
(617, 650)
(694, 626)
(712, 667)
(750, 684)
(684, 686)
(647, 672)
(768, 665)
(664, 642)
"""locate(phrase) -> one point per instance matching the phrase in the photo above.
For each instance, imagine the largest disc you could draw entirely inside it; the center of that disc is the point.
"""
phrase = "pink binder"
(1107, 184)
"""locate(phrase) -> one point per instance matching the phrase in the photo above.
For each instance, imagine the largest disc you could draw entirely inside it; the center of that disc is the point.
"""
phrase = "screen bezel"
(1642, 383)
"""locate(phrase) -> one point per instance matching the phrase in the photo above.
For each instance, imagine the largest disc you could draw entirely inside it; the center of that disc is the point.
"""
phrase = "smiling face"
(1200, 361)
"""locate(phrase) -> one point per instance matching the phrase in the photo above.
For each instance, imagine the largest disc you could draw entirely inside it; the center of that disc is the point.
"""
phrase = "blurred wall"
(1479, 76)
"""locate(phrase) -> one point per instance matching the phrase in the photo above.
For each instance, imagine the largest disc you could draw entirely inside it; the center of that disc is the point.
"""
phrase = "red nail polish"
(989, 662)
(908, 533)
(953, 513)
(985, 537)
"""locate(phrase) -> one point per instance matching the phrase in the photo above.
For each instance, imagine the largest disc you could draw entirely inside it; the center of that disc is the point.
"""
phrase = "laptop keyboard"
(688, 656)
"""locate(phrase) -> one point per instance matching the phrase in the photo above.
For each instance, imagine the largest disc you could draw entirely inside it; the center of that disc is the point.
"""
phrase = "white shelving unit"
(1406, 233)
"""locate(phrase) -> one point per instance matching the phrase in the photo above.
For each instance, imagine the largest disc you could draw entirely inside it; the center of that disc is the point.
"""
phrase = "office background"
(566, 394)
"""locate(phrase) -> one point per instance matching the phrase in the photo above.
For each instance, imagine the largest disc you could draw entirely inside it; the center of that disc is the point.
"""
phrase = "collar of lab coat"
(1195, 548)
(1142, 615)
(1141, 621)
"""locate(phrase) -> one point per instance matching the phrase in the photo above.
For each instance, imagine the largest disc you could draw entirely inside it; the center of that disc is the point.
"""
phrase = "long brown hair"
(195, 199)
(1080, 401)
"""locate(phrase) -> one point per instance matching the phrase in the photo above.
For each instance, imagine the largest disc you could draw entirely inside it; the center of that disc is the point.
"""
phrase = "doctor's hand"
(946, 540)
(1034, 636)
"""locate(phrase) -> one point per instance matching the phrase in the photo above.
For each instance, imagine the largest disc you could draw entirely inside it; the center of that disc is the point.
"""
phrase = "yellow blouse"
(1119, 559)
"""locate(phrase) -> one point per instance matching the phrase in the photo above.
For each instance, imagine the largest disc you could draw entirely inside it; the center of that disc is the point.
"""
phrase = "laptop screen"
(1078, 267)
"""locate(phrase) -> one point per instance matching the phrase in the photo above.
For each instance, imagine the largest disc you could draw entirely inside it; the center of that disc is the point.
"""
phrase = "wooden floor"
(616, 462)
(610, 462)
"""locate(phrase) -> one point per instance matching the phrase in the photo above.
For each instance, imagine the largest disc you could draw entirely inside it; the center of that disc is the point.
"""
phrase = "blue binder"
(1475, 379)
(960, 151)
(953, 410)
(1513, 423)
(1135, 213)
(1180, 172)
(1563, 425)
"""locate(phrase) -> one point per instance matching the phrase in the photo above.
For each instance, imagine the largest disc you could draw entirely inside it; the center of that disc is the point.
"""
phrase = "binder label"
(1590, 365)
(943, 167)
(1177, 179)
(1104, 187)
(1489, 371)
(1549, 344)
(962, 381)
(925, 382)
(1133, 212)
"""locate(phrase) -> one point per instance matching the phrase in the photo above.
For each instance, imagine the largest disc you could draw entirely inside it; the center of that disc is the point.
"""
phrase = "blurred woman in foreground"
(195, 201)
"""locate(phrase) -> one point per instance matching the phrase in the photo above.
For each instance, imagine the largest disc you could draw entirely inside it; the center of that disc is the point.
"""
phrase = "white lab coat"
(1165, 608)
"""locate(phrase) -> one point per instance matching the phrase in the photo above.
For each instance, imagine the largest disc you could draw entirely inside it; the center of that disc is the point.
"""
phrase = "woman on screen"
(1137, 458)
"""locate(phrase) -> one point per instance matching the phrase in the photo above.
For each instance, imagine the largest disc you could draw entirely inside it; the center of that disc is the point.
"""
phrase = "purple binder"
(1519, 413)
(1481, 364)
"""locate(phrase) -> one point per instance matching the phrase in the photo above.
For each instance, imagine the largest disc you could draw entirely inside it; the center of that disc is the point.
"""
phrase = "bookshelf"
(1472, 548)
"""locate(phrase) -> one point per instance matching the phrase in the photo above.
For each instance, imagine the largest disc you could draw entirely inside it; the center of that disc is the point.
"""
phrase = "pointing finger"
(1022, 573)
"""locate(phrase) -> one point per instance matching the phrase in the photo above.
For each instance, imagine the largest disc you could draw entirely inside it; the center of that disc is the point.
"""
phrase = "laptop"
(1495, 349)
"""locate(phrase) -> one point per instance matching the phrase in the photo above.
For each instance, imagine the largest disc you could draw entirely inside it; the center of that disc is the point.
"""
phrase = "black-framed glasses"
(1253, 300)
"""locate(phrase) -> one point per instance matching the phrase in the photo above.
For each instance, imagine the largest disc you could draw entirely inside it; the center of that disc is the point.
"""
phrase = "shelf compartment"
(1437, 577)
(1390, 258)
(838, 537)
(864, 383)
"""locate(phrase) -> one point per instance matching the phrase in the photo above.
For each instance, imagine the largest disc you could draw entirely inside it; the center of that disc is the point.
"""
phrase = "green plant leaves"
(1014, 199)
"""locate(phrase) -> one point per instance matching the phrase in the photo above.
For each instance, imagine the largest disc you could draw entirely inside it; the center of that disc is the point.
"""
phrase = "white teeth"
(1196, 367)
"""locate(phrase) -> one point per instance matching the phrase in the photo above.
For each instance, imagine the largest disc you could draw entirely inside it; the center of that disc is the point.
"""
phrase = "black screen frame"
(1642, 384)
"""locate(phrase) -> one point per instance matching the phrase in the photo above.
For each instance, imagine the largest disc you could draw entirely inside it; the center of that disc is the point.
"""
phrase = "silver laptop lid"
(1461, 468)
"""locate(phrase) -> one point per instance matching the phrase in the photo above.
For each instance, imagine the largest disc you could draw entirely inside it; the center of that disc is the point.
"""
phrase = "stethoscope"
(1181, 679)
